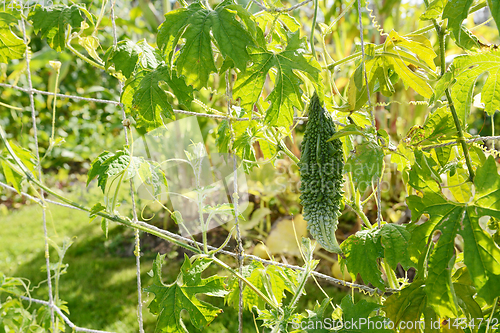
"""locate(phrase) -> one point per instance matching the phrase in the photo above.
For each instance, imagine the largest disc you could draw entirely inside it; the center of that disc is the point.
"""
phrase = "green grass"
(100, 283)
(99, 286)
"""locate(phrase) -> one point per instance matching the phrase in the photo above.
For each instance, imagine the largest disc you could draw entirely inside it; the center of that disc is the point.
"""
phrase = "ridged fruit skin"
(321, 168)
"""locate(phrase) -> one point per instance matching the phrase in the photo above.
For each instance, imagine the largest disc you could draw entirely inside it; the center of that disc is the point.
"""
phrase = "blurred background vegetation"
(99, 283)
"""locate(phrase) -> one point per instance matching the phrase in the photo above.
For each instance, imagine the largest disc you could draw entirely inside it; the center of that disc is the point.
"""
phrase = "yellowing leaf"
(282, 240)
(91, 44)
(11, 46)
(466, 70)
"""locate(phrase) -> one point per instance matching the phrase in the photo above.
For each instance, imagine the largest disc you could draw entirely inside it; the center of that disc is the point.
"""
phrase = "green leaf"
(395, 241)
(495, 11)
(223, 138)
(317, 314)
(456, 11)
(243, 144)
(434, 10)
(467, 70)
(146, 100)
(413, 47)
(351, 129)
(466, 292)
(422, 176)
(271, 280)
(25, 156)
(96, 166)
(153, 179)
(268, 148)
(438, 127)
(11, 46)
(417, 48)
(11, 177)
(482, 254)
(98, 207)
(407, 305)
(52, 22)
(170, 300)
(286, 91)
(366, 165)
(467, 40)
(200, 27)
(383, 69)
(362, 309)
(104, 226)
(356, 317)
(108, 165)
(446, 220)
(362, 251)
(459, 186)
(126, 54)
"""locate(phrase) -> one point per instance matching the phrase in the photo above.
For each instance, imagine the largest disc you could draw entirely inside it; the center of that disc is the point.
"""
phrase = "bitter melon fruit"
(321, 168)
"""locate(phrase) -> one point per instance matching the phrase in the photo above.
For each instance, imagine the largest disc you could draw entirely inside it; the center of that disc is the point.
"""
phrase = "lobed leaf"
(126, 55)
(52, 22)
(466, 70)
(271, 280)
(362, 251)
(11, 46)
(199, 27)
(448, 219)
(146, 99)
(366, 165)
(286, 91)
(170, 300)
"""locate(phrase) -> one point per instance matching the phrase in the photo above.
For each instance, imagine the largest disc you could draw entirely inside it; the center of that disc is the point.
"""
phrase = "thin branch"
(451, 143)
(280, 10)
(106, 101)
(62, 315)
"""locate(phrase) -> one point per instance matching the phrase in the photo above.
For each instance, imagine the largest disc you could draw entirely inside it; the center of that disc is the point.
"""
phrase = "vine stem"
(288, 152)
(57, 67)
(313, 50)
(244, 280)
(11, 107)
(300, 288)
(372, 114)
(442, 48)
(491, 314)
(391, 276)
(357, 209)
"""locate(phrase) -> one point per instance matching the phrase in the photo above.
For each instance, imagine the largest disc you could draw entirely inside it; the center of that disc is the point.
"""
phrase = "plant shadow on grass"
(100, 283)
(100, 287)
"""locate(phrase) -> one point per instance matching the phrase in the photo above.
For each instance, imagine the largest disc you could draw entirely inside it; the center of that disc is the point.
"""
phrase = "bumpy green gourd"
(321, 167)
